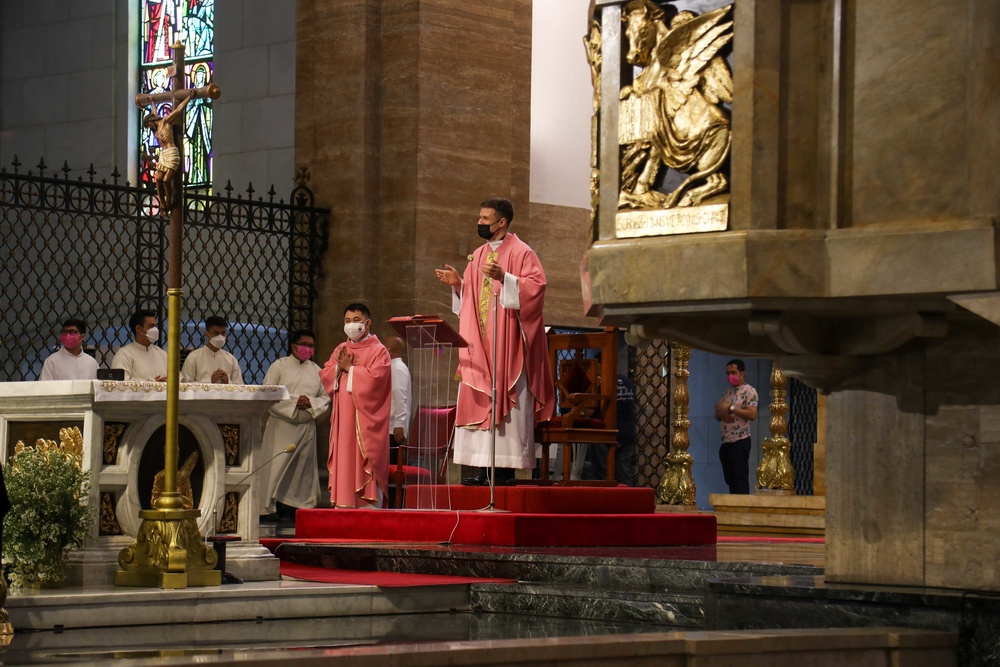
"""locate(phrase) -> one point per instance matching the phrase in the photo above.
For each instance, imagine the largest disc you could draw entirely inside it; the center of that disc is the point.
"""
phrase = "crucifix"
(168, 551)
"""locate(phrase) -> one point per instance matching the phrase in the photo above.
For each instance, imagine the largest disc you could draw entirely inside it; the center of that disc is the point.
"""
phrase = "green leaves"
(48, 492)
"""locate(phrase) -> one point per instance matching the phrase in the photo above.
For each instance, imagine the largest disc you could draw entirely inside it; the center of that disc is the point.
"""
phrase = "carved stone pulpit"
(123, 430)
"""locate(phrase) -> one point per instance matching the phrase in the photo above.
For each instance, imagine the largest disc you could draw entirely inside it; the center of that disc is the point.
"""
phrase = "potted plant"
(48, 491)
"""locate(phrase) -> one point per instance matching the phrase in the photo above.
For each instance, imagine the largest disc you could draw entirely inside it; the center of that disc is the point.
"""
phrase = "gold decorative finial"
(677, 486)
(775, 470)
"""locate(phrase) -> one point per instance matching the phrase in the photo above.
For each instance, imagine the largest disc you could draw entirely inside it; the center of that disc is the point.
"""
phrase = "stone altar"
(122, 425)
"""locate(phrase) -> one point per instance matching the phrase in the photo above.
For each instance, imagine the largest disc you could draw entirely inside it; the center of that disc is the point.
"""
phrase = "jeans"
(735, 458)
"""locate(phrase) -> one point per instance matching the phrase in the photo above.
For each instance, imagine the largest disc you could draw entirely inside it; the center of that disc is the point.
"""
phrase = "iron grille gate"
(650, 368)
(94, 250)
(802, 425)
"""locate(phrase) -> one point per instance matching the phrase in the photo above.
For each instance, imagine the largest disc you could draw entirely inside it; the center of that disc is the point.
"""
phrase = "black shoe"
(505, 477)
(479, 480)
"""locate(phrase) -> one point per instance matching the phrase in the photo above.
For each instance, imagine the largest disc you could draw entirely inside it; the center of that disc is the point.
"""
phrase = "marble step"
(564, 601)
(586, 569)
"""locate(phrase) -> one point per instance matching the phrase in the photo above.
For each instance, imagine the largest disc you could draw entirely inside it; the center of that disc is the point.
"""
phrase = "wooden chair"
(585, 371)
(428, 446)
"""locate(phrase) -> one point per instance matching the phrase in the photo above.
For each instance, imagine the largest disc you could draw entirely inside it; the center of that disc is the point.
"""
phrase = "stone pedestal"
(120, 422)
(769, 514)
(919, 500)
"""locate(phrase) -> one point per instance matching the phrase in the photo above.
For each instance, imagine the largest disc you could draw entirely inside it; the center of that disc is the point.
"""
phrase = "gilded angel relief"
(671, 115)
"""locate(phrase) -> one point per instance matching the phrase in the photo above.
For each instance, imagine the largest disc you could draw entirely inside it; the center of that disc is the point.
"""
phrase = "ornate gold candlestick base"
(677, 486)
(775, 470)
(168, 552)
(6, 629)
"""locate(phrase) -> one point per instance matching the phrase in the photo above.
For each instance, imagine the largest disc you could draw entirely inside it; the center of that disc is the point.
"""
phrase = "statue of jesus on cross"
(170, 156)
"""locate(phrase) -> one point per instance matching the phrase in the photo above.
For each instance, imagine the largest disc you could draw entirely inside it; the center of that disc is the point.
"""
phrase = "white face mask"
(153, 334)
(354, 330)
(218, 342)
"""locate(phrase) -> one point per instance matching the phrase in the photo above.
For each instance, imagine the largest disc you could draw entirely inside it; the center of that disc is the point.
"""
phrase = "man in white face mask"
(211, 363)
(142, 359)
(358, 378)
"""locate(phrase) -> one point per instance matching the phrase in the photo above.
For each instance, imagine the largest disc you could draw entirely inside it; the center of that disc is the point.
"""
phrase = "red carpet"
(381, 579)
(506, 528)
(536, 499)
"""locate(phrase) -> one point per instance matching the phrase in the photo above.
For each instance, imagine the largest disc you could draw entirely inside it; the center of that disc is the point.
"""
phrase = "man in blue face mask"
(734, 411)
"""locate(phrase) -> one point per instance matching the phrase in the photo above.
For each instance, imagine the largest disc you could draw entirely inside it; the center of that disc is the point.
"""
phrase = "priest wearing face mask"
(142, 359)
(211, 363)
(293, 480)
(70, 362)
(505, 269)
(358, 378)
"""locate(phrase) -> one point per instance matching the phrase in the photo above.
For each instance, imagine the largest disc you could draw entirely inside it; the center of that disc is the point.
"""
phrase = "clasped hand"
(345, 360)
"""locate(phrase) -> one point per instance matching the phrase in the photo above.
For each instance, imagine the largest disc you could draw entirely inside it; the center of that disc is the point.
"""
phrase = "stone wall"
(68, 78)
(409, 115)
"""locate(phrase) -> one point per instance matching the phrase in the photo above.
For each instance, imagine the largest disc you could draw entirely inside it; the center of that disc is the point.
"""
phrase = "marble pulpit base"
(786, 602)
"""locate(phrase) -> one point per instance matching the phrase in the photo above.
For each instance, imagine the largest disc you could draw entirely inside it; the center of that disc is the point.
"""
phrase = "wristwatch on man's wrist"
(732, 408)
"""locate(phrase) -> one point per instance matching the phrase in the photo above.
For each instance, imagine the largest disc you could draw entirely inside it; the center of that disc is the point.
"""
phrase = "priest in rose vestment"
(503, 268)
(358, 378)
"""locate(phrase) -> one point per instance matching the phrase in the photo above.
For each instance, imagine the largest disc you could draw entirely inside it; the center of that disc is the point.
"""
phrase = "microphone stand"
(493, 408)
(215, 505)
(493, 400)
(214, 537)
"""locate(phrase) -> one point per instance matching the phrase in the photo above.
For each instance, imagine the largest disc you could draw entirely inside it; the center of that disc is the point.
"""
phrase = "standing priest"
(503, 268)
(359, 380)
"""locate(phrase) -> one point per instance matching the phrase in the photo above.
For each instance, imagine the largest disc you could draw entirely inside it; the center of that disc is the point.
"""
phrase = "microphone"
(477, 267)
(215, 505)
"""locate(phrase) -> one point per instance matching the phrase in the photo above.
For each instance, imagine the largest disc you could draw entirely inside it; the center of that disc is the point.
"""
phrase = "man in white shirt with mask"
(211, 363)
(70, 362)
(142, 359)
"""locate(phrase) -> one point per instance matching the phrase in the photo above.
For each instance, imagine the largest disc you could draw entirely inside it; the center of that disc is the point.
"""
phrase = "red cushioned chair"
(429, 444)
(587, 396)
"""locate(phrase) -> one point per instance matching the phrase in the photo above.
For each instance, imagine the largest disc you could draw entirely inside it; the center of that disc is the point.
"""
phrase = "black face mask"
(484, 231)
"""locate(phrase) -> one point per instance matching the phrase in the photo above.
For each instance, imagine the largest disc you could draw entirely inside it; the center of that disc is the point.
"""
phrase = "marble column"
(918, 498)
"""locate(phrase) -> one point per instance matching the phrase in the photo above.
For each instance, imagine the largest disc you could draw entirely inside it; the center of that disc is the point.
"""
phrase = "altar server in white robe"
(70, 362)
(293, 480)
(210, 362)
(142, 359)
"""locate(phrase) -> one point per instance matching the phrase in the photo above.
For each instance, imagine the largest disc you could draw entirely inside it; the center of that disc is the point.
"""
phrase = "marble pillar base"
(96, 566)
(811, 602)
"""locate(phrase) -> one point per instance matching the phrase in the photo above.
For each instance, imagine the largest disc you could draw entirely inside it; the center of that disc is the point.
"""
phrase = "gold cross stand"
(169, 551)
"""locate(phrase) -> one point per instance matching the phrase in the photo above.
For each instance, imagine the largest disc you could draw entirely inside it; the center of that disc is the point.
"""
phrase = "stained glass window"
(164, 22)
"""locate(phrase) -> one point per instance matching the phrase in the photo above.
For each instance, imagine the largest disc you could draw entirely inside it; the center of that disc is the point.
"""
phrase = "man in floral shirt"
(735, 410)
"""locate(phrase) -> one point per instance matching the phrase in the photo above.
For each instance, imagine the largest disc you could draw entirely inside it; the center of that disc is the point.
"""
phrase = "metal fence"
(95, 250)
(802, 424)
(650, 368)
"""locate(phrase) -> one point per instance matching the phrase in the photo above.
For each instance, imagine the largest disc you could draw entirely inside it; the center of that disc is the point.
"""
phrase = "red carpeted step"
(536, 499)
(506, 528)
